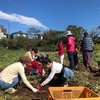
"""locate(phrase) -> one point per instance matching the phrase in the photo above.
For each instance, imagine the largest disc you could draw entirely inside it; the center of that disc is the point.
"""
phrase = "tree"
(52, 35)
(95, 34)
(33, 33)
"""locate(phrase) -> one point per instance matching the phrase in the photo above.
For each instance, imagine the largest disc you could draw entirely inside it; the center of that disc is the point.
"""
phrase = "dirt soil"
(94, 75)
(25, 94)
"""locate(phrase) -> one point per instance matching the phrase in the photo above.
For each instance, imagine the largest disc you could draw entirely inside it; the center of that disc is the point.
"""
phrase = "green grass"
(10, 56)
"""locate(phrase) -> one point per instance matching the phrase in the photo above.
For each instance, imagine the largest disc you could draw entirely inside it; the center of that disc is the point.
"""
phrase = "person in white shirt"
(63, 72)
(13, 73)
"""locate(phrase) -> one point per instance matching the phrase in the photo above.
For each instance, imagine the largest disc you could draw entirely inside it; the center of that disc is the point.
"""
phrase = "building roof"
(19, 32)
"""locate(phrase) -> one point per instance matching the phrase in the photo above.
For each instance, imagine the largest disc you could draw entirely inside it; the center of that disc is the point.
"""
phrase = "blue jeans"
(4, 85)
(71, 60)
(33, 71)
(68, 73)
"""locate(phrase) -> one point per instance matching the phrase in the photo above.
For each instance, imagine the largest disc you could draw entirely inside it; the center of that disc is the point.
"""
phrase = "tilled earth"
(24, 93)
(27, 94)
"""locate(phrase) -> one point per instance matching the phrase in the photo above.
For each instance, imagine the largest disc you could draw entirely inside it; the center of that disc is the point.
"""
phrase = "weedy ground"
(82, 76)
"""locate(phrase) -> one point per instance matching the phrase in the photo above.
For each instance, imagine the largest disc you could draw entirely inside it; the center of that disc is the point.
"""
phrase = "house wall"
(2, 35)
(18, 35)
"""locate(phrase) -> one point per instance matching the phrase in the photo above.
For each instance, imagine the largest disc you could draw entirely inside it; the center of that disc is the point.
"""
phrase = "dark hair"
(33, 49)
(41, 58)
(57, 42)
(46, 60)
(85, 34)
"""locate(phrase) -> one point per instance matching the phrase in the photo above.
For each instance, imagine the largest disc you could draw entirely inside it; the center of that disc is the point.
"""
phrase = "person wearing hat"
(13, 73)
(70, 48)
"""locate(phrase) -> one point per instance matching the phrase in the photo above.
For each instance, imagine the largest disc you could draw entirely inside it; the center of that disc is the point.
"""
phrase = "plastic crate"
(72, 93)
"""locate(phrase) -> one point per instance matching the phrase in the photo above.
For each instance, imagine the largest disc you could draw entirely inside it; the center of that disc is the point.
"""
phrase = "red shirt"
(35, 65)
(60, 49)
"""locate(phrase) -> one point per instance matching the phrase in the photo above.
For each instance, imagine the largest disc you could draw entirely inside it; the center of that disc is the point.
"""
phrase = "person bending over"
(57, 69)
(34, 66)
(13, 73)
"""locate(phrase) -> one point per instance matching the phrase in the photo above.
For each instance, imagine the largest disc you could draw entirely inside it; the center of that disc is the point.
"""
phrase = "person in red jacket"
(34, 66)
(60, 51)
(70, 48)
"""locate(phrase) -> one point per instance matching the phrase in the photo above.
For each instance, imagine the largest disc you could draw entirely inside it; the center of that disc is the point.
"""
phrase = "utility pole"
(8, 29)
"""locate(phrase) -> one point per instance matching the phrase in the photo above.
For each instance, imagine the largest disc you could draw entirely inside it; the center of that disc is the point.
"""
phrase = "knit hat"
(25, 60)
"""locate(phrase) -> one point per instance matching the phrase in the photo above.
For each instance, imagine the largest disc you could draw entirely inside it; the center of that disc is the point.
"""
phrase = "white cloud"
(22, 20)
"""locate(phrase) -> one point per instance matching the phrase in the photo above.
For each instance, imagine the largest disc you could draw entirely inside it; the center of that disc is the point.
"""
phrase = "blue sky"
(20, 15)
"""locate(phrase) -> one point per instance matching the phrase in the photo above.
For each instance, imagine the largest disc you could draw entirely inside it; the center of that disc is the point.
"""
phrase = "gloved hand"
(39, 86)
(35, 90)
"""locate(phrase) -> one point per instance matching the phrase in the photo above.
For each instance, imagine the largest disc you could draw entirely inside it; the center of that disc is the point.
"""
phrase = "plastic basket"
(72, 93)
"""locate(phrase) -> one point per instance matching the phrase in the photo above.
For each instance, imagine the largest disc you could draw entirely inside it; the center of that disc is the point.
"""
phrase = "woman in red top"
(35, 66)
(60, 51)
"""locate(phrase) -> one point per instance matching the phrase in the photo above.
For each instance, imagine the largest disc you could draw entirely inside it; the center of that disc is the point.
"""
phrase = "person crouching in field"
(35, 66)
(13, 73)
(56, 69)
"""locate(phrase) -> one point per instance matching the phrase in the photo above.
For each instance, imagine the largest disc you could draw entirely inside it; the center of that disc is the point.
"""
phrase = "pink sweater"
(70, 45)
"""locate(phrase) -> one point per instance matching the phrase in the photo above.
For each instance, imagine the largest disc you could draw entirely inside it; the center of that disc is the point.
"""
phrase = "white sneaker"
(13, 90)
(10, 90)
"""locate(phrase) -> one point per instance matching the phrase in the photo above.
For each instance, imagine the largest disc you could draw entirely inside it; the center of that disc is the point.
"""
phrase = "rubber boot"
(72, 66)
(90, 68)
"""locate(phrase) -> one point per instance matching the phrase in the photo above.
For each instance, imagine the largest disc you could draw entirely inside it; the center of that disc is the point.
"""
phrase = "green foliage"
(96, 40)
(12, 44)
(19, 43)
(48, 41)
(97, 47)
(9, 56)
(22, 42)
(95, 34)
(3, 42)
(52, 36)
(96, 53)
(50, 48)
